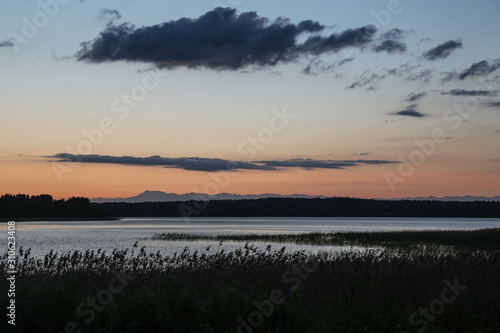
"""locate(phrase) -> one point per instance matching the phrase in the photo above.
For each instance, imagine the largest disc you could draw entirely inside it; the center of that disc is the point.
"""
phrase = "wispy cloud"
(244, 40)
(109, 15)
(394, 34)
(442, 51)
(215, 164)
(462, 92)
(412, 97)
(318, 66)
(480, 68)
(424, 75)
(369, 80)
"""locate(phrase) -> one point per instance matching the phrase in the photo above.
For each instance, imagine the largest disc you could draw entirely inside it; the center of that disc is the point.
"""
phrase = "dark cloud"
(481, 68)
(243, 40)
(462, 92)
(322, 164)
(213, 164)
(497, 131)
(186, 163)
(412, 97)
(410, 111)
(6, 43)
(442, 51)
(349, 38)
(493, 104)
(390, 46)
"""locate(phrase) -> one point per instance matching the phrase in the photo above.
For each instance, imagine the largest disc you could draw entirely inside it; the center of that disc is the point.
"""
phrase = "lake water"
(63, 236)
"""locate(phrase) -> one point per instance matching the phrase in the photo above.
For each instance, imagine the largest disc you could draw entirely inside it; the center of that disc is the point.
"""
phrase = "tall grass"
(350, 291)
(478, 239)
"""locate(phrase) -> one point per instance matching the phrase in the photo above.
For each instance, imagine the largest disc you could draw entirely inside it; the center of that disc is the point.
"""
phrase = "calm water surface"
(63, 236)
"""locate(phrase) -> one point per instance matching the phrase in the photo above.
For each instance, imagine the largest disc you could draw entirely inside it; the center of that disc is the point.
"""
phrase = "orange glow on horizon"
(22, 175)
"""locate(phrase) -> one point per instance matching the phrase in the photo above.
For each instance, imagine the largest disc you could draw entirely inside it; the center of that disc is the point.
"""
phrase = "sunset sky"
(340, 98)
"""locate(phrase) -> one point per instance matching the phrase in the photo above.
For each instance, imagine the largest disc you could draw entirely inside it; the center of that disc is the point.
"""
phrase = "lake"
(63, 236)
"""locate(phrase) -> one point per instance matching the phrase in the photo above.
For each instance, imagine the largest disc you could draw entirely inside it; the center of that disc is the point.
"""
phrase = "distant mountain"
(450, 198)
(160, 196)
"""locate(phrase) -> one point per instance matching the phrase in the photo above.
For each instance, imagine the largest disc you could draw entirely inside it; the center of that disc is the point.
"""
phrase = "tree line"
(299, 207)
(35, 206)
(38, 206)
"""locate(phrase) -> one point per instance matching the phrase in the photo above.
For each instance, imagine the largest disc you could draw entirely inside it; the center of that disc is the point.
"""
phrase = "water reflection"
(63, 236)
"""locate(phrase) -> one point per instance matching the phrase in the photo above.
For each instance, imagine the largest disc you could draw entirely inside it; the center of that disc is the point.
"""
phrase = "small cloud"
(423, 40)
(424, 76)
(462, 92)
(390, 46)
(447, 137)
(395, 33)
(493, 104)
(412, 97)
(497, 131)
(7, 43)
(481, 68)
(363, 154)
(442, 51)
(344, 61)
(391, 120)
(310, 164)
(109, 15)
(410, 111)
(448, 76)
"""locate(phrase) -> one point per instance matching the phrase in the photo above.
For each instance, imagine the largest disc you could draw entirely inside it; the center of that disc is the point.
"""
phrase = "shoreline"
(55, 219)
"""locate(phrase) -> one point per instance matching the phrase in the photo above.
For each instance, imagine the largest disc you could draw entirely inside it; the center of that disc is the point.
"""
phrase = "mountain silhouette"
(160, 196)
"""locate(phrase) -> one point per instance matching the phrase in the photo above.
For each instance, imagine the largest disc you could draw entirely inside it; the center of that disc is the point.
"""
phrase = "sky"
(372, 99)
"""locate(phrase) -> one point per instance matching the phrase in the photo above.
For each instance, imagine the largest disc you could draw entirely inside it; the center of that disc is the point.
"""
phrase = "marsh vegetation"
(373, 290)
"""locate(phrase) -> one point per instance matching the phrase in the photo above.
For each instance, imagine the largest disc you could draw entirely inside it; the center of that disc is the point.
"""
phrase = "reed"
(486, 239)
(374, 290)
